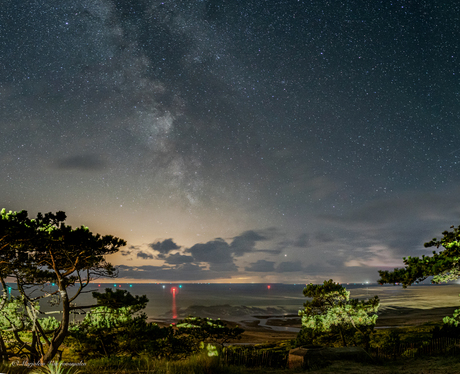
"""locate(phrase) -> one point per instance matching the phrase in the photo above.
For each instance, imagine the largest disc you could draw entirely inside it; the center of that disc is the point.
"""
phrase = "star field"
(236, 140)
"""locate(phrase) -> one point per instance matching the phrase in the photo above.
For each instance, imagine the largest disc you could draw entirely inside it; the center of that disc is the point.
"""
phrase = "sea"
(237, 301)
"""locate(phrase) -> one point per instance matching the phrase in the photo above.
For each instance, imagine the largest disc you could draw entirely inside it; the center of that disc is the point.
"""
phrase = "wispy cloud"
(85, 162)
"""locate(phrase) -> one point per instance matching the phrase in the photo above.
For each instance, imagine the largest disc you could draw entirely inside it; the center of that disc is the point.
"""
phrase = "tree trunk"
(33, 353)
(343, 337)
(3, 350)
(61, 332)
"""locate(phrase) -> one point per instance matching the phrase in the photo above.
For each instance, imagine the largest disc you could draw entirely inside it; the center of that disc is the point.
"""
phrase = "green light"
(114, 285)
(180, 285)
(9, 289)
(130, 285)
(52, 284)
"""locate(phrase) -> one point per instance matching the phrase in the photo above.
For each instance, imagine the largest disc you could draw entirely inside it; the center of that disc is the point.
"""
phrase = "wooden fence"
(255, 357)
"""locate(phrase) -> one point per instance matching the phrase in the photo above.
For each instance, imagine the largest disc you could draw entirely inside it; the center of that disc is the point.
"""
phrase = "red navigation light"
(268, 286)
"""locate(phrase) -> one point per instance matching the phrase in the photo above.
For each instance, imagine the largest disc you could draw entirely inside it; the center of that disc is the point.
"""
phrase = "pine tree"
(331, 307)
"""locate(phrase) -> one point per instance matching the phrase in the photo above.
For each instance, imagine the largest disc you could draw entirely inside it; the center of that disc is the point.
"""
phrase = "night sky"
(236, 141)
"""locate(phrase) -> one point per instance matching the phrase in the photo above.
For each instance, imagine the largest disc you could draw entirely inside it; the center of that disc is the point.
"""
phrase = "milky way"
(236, 140)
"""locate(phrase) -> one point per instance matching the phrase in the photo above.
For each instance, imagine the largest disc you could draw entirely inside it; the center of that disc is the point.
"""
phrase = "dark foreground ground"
(431, 365)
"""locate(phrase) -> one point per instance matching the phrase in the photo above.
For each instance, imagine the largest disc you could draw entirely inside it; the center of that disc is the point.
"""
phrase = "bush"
(332, 338)
(128, 338)
(446, 331)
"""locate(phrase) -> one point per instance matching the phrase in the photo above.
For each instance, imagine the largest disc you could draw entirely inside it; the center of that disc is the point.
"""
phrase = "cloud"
(177, 258)
(261, 266)
(131, 249)
(184, 272)
(217, 253)
(376, 256)
(423, 206)
(223, 267)
(271, 251)
(164, 247)
(144, 255)
(214, 251)
(190, 268)
(302, 241)
(245, 242)
(220, 255)
(398, 226)
(289, 267)
(87, 162)
(323, 237)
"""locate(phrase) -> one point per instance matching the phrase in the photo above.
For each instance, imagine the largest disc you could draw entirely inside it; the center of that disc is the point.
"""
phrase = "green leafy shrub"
(119, 333)
(409, 353)
(208, 330)
(447, 330)
(49, 324)
(333, 337)
(331, 311)
(55, 368)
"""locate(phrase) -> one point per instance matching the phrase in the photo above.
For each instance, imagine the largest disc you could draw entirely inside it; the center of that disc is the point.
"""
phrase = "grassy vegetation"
(201, 363)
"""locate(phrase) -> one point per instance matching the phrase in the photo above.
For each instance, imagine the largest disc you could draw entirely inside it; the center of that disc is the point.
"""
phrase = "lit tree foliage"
(40, 252)
(209, 330)
(331, 307)
(35, 252)
(120, 332)
(443, 266)
(113, 329)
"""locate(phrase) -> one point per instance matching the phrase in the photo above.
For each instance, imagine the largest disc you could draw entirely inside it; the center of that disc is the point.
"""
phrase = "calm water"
(251, 299)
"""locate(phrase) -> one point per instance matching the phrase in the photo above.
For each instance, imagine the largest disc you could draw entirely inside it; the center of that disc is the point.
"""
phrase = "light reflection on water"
(174, 309)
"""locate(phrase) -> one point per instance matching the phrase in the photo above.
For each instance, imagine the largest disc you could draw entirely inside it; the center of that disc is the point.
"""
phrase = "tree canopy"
(443, 266)
(44, 250)
(331, 307)
(106, 331)
(49, 260)
(209, 330)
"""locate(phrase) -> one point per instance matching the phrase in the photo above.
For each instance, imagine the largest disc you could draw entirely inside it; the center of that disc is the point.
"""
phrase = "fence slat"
(255, 358)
